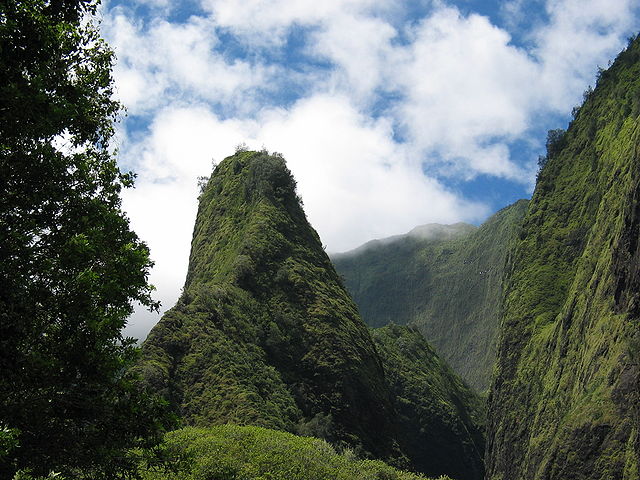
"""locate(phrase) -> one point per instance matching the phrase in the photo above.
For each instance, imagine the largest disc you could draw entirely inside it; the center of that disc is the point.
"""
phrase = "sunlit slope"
(253, 453)
(565, 397)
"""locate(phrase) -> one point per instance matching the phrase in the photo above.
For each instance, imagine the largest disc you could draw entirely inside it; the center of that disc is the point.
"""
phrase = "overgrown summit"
(264, 332)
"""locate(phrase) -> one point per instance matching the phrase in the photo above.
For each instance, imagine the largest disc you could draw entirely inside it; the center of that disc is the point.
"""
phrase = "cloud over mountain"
(389, 115)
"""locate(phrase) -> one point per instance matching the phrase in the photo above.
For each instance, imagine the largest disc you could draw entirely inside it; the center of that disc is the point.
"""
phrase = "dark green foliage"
(542, 161)
(555, 142)
(266, 335)
(440, 417)
(229, 452)
(564, 402)
(447, 284)
(70, 267)
(264, 332)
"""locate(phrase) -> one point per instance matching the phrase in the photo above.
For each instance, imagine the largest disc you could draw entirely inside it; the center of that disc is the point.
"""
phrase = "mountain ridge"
(448, 287)
(265, 334)
(428, 231)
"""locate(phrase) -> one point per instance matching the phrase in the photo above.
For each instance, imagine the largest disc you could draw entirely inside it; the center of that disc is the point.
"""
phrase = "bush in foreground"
(229, 452)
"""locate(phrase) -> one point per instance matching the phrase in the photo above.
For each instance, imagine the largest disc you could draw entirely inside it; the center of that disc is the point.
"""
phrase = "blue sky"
(390, 114)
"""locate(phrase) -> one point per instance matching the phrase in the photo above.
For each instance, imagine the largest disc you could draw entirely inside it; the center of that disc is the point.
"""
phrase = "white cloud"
(461, 92)
(463, 84)
(161, 62)
(352, 34)
(180, 146)
(580, 34)
(162, 215)
(356, 181)
(360, 47)
(466, 89)
(513, 12)
(266, 22)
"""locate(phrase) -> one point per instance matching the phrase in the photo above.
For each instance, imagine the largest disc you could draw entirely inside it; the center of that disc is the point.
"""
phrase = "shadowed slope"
(440, 418)
(447, 284)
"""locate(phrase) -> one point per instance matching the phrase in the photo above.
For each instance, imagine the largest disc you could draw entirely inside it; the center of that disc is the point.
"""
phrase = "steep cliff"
(440, 419)
(443, 279)
(565, 398)
(264, 332)
(266, 335)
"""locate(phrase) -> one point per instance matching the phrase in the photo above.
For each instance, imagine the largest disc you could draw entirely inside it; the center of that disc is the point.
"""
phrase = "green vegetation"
(265, 340)
(440, 418)
(445, 280)
(229, 452)
(266, 335)
(264, 332)
(70, 267)
(564, 398)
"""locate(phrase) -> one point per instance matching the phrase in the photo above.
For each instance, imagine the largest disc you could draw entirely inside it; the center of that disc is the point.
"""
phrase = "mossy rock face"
(264, 332)
(565, 397)
(443, 279)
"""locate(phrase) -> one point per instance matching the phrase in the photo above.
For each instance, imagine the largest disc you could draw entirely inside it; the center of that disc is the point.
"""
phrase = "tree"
(70, 267)
(556, 141)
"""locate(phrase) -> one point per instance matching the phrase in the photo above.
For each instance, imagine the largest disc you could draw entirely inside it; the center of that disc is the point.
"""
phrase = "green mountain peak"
(265, 334)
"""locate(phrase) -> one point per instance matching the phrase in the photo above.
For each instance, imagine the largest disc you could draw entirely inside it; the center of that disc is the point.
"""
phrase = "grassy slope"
(449, 288)
(228, 452)
(442, 419)
(264, 332)
(564, 403)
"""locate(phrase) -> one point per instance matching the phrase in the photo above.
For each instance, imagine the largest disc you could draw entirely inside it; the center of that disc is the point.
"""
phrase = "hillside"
(447, 284)
(564, 402)
(265, 334)
(440, 418)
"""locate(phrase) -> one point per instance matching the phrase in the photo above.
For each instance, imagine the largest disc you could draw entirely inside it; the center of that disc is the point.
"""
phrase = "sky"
(390, 114)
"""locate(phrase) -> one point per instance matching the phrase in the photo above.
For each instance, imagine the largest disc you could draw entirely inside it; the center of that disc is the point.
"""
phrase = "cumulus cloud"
(361, 47)
(465, 91)
(380, 114)
(267, 22)
(162, 208)
(356, 181)
(463, 83)
(579, 35)
(160, 61)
